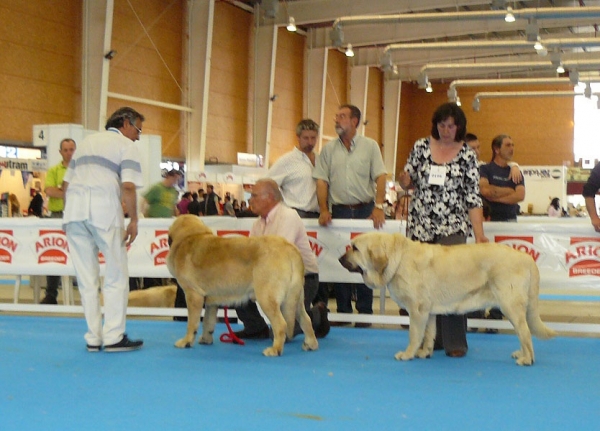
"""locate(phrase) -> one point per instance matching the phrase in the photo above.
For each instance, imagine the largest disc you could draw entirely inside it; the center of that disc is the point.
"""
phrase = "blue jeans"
(343, 291)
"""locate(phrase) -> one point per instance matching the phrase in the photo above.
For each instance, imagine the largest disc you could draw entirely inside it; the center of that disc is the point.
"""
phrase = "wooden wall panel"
(40, 67)
(374, 114)
(288, 86)
(227, 128)
(148, 38)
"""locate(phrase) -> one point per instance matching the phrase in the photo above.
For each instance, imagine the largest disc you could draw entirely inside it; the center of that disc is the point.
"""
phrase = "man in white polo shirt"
(102, 177)
(293, 172)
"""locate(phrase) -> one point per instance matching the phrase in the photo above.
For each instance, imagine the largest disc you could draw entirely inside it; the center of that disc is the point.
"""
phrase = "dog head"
(369, 255)
(185, 226)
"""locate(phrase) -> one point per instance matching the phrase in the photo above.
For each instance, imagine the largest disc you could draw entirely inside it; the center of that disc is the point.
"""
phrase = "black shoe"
(491, 331)
(93, 348)
(180, 318)
(125, 345)
(49, 300)
(263, 334)
(324, 326)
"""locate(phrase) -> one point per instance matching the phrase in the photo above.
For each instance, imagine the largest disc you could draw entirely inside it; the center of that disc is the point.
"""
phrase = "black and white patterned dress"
(442, 210)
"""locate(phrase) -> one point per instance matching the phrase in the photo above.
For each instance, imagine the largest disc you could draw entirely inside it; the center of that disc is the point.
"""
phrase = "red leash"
(229, 337)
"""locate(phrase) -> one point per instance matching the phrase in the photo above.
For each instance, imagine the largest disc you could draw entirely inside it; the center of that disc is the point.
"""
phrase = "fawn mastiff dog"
(215, 271)
(430, 279)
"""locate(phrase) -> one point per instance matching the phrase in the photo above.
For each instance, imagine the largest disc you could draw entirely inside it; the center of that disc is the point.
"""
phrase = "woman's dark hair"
(446, 111)
(555, 204)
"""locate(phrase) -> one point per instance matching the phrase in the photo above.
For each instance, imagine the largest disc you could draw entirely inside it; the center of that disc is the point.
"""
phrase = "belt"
(306, 212)
(354, 206)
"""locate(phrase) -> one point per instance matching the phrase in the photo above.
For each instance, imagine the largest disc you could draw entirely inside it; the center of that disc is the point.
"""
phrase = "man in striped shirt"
(102, 176)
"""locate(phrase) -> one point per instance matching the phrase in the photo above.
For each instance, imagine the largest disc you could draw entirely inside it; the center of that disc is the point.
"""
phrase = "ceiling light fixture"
(291, 24)
(588, 90)
(560, 68)
(337, 36)
(349, 51)
(509, 15)
(395, 69)
(428, 88)
(458, 101)
(574, 76)
(422, 80)
(540, 48)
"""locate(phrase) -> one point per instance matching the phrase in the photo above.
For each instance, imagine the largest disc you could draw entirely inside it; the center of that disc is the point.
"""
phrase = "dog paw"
(271, 351)
(524, 361)
(517, 354)
(183, 343)
(403, 356)
(206, 339)
(424, 353)
(310, 346)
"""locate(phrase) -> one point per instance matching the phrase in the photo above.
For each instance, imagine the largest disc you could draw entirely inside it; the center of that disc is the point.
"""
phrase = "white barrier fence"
(567, 251)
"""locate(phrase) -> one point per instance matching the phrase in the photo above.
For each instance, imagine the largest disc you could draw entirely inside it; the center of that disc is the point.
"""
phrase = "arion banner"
(567, 251)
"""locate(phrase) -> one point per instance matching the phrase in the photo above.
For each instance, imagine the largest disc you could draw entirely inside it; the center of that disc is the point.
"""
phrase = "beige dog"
(229, 271)
(431, 279)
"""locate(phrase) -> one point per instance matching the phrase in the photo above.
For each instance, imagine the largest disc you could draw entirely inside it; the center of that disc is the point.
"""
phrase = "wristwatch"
(379, 206)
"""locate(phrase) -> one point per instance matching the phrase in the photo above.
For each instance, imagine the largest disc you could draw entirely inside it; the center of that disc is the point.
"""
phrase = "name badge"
(437, 175)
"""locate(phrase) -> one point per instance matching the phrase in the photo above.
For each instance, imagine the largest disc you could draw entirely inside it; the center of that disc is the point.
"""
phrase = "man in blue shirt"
(496, 185)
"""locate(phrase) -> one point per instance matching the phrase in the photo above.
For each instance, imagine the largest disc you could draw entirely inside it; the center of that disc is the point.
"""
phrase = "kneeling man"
(275, 218)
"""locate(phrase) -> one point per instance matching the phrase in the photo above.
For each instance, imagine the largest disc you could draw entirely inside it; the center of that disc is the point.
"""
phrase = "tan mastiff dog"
(430, 279)
(215, 271)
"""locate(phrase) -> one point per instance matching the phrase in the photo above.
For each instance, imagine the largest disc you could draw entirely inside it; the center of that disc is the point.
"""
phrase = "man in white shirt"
(293, 172)
(102, 176)
(275, 218)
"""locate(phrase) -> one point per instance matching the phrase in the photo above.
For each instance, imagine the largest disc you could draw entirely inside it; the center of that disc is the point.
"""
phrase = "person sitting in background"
(182, 205)
(36, 206)
(554, 210)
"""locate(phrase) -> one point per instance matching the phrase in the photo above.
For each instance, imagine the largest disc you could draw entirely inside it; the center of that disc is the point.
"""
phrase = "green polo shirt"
(54, 178)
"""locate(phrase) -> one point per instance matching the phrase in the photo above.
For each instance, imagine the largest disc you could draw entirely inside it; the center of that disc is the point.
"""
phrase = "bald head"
(265, 196)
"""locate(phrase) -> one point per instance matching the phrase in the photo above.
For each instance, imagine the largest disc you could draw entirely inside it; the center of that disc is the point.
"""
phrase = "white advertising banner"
(33, 246)
(567, 251)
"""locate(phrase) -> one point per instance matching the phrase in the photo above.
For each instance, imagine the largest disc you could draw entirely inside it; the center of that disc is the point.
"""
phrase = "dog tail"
(537, 327)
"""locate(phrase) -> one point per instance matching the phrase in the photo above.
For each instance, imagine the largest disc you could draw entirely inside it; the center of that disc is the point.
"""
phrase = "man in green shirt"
(56, 204)
(161, 199)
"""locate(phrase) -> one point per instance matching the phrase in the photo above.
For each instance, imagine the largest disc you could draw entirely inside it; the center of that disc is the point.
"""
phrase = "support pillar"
(391, 118)
(200, 21)
(97, 34)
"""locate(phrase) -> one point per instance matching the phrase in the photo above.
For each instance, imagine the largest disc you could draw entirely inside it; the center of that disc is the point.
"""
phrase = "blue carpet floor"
(48, 381)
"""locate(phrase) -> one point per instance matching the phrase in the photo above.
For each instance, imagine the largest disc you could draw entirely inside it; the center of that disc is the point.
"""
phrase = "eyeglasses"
(136, 128)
